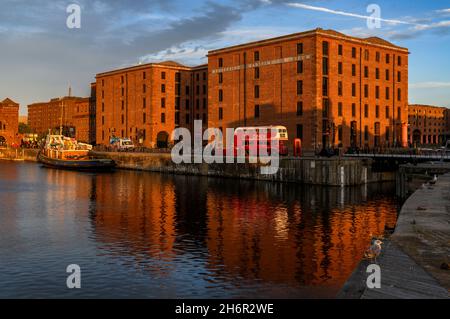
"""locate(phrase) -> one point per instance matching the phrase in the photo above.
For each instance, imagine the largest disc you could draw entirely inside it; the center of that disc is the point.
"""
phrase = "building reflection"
(262, 232)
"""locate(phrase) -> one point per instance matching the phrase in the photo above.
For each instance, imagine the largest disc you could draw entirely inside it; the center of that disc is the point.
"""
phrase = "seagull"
(434, 180)
(374, 251)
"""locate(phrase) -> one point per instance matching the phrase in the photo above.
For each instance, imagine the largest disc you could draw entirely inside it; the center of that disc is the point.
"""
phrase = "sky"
(40, 57)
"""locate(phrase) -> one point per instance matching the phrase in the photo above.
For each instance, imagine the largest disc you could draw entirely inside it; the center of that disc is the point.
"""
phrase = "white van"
(122, 144)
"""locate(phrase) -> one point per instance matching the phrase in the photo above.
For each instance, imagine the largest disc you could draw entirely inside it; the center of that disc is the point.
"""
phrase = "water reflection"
(153, 235)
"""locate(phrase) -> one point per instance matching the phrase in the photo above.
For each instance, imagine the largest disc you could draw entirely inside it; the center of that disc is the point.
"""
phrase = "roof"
(168, 64)
(427, 106)
(332, 33)
(8, 101)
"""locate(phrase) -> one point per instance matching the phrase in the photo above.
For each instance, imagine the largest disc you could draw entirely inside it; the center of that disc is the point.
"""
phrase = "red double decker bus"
(261, 139)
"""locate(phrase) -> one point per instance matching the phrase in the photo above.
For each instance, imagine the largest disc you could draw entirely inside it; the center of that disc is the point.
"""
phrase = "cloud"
(429, 85)
(348, 14)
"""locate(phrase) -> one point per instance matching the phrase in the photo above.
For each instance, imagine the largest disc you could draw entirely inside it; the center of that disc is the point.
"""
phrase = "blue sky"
(40, 56)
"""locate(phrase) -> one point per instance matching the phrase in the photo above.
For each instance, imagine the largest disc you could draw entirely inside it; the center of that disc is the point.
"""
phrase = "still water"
(147, 235)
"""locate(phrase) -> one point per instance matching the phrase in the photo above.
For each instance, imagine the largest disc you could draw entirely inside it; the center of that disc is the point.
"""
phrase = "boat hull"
(77, 165)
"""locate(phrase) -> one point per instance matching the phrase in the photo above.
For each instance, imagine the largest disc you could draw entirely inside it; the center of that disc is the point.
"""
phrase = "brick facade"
(9, 122)
(147, 102)
(72, 111)
(428, 124)
(325, 87)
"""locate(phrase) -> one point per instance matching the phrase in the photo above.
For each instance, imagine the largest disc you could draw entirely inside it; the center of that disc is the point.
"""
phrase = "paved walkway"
(412, 259)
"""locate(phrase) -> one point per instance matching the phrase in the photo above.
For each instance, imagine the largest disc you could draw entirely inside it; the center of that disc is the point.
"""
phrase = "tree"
(24, 128)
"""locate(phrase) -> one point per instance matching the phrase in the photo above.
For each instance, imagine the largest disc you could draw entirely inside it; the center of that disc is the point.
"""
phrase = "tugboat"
(66, 153)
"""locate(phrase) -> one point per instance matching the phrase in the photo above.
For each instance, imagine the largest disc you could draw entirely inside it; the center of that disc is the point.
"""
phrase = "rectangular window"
(366, 133)
(325, 66)
(399, 94)
(340, 88)
(220, 62)
(340, 50)
(399, 76)
(188, 104)
(144, 88)
(399, 113)
(387, 75)
(187, 90)
(340, 133)
(163, 103)
(197, 104)
(366, 90)
(163, 75)
(366, 71)
(353, 69)
(300, 131)
(256, 55)
(299, 108)
(387, 93)
(353, 89)
(353, 110)
(144, 118)
(144, 103)
(256, 91)
(220, 95)
(377, 111)
(256, 111)
(377, 73)
(387, 112)
(325, 86)
(354, 53)
(377, 56)
(177, 118)
(220, 113)
(366, 110)
(163, 117)
(366, 55)
(300, 67)
(399, 61)
(163, 88)
(325, 46)
(388, 58)
(299, 48)
(340, 109)
(188, 119)
(299, 87)
(340, 68)
(377, 92)
(197, 90)
(220, 78)
(256, 73)
(325, 108)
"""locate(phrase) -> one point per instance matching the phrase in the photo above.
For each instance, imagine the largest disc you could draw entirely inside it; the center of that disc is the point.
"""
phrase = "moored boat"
(66, 153)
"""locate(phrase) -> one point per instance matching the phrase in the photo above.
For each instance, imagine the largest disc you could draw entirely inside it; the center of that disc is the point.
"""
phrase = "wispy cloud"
(348, 14)
(430, 85)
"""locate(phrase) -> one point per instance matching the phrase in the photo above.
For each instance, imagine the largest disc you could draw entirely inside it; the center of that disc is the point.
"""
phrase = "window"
(340, 67)
(123, 105)
(220, 62)
(163, 75)
(340, 133)
(377, 73)
(387, 112)
(388, 59)
(220, 78)
(340, 49)
(197, 90)
(144, 118)
(256, 111)
(163, 88)
(366, 110)
(103, 107)
(220, 113)
(340, 88)
(197, 77)
(256, 91)
(177, 77)
(187, 104)
(220, 95)
(257, 73)
(354, 53)
(377, 56)
(205, 103)
(387, 75)
(399, 94)
(353, 89)
(387, 93)
(256, 55)
(399, 113)
(187, 90)
(299, 108)
(205, 91)
(123, 91)
(353, 109)
(387, 134)
(163, 117)
(325, 66)
(121, 79)
(366, 55)
(399, 61)
(299, 87)
(144, 103)
(144, 88)
(325, 108)
(366, 133)
(177, 118)
(325, 86)
(188, 119)
(353, 69)
(123, 119)
(399, 76)
(340, 109)
(366, 71)
(300, 67)
(300, 131)
(197, 104)
(163, 103)
(325, 46)
(366, 90)
(299, 48)
(377, 111)
(377, 92)
(103, 120)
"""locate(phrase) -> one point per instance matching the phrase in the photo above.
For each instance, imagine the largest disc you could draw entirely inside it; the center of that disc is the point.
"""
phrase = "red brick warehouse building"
(9, 122)
(327, 88)
(428, 125)
(72, 112)
(147, 102)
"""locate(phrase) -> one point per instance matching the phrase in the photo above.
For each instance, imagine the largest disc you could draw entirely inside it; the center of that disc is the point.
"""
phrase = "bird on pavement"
(374, 251)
